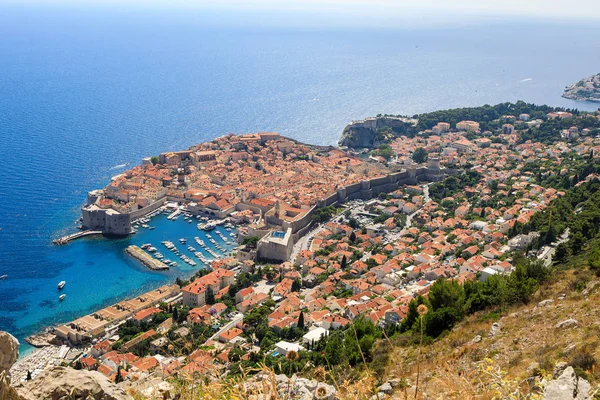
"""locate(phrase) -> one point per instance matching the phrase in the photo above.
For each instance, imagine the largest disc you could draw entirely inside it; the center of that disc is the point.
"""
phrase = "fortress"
(290, 181)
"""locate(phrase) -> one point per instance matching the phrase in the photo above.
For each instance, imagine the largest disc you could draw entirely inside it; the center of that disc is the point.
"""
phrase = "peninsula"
(587, 89)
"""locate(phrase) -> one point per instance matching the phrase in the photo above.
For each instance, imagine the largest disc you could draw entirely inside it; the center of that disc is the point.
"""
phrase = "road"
(302, 243)
(549, 253)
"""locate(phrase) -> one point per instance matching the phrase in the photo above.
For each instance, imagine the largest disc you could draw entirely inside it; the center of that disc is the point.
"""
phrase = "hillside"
(587, 89)
(510, 353)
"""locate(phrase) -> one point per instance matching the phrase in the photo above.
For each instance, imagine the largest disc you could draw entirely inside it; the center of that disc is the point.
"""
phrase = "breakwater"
(145, 258)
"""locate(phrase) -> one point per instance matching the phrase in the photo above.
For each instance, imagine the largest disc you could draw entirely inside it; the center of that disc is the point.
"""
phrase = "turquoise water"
(82, 93)
(103, 273)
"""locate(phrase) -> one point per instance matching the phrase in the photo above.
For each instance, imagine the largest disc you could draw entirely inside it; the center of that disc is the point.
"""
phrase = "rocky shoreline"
(587, 89)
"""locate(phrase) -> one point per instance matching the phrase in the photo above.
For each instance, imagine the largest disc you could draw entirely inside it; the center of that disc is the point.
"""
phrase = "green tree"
(210, 297)
(118, 377)
(561, 253)
(154, 160)
(28, 378)
(594, 260)
(343, 263)
(301, 320)
(251, 241)
(420, 155)
(296, 285)
(353, 237)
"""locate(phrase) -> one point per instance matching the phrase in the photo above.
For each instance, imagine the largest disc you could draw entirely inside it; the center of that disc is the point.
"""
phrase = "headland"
(587, 89)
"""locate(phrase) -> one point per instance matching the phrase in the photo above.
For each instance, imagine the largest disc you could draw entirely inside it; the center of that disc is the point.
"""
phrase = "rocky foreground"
(587, 89)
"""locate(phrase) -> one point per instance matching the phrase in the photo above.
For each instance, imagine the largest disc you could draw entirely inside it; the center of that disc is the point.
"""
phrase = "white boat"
(209, 226)
(62, 297)
(3, 277)
(61, 285)
(182, 240)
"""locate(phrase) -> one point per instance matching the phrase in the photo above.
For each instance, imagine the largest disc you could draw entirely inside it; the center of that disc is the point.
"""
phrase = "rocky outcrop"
(567, 386)
(68, 383)
(369, 132)
(289, 388)
(568, 323)
(587, 89)
(9, 351)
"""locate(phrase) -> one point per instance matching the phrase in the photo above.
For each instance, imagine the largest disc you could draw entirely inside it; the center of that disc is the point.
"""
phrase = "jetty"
(174, 214)
(76, 235)
(145, 258)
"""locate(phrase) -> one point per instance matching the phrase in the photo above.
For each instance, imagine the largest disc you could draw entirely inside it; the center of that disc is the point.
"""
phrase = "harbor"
(105, 262)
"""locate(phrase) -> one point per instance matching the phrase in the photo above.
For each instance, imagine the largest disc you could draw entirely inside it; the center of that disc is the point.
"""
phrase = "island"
(587, 89)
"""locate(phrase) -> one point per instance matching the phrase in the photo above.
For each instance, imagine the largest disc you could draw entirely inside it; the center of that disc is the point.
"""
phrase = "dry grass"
(513, 364)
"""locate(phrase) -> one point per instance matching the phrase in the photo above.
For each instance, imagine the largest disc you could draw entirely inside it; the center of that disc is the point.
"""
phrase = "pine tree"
(28, 375)
(118, 378)
(210, 297)
(301, 320)
(353, 237)
(175, 314)
(344, 262)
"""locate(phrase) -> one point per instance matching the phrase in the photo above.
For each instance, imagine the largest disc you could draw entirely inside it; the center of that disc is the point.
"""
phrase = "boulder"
(545, 303)
(494, 330)
(568, 323)
(590, 287)
(567, 386)
(9, 351)
(386, 388)
(63, 383)
(559, 369)
(476, 339)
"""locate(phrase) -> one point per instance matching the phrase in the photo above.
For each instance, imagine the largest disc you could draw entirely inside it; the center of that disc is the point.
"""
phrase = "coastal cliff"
(587, 89)
(371, 132)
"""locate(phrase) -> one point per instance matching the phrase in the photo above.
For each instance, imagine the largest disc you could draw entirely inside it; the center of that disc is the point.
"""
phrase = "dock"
(145, 258)
(73, 236)
(174, 214)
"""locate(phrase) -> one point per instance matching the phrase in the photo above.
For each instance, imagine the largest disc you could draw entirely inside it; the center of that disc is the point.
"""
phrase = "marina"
(104, 261)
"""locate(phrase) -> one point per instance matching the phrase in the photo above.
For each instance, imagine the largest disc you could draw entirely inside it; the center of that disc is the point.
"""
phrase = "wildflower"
(422, 309)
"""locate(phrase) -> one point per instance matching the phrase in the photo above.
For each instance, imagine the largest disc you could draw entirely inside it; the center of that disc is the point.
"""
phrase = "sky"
(334, 13)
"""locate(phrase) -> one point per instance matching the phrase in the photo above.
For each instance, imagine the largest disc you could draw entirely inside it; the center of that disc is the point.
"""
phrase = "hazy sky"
(361, 12)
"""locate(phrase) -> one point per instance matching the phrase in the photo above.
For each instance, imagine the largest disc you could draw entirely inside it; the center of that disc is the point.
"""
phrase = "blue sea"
(86, 94)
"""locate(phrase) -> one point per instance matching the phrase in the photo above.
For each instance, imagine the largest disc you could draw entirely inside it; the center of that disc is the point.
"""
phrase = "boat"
(61, 285)
(3, 277)
(182, 240)
(62, 297)
(209, 226)
(151, 227)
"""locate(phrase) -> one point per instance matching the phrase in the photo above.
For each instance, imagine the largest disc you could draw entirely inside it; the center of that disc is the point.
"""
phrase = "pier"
(73, 236)
(174, 214)
(145, 258)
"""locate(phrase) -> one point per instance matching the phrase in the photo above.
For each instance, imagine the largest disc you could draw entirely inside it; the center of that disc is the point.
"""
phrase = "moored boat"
(61, 285)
